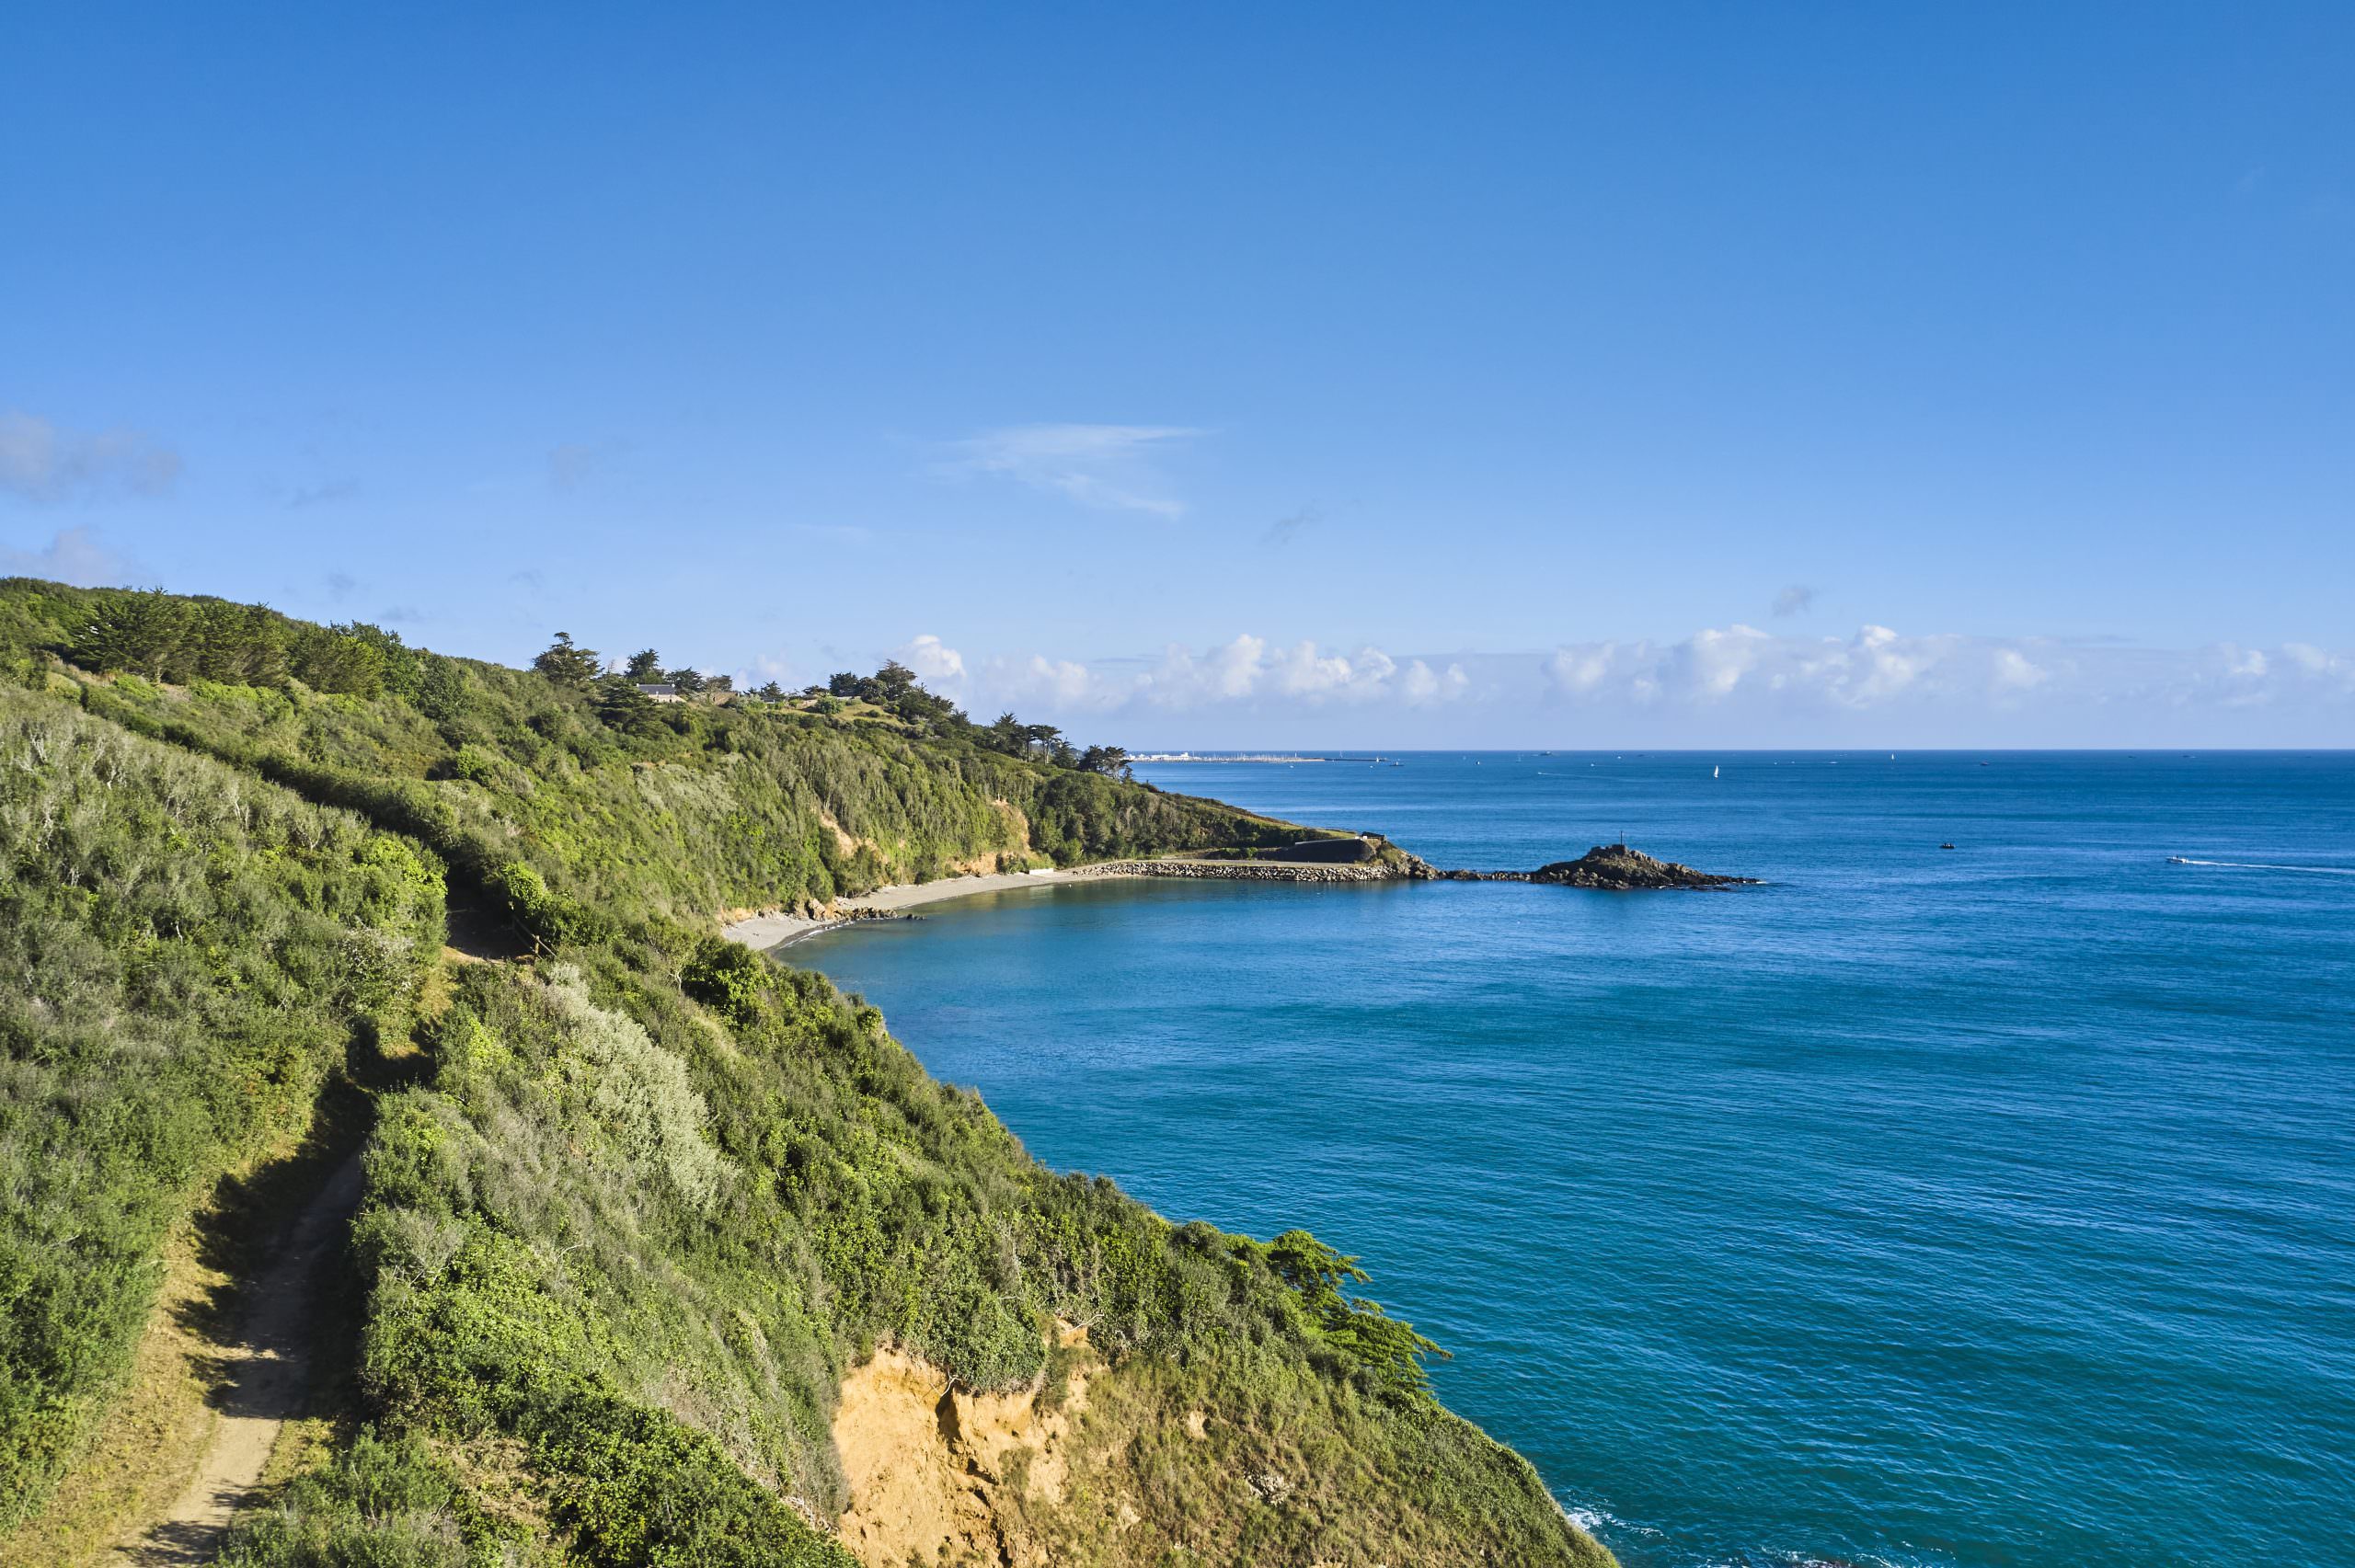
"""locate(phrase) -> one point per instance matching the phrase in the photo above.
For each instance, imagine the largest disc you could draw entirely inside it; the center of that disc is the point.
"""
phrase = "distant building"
(660, 690)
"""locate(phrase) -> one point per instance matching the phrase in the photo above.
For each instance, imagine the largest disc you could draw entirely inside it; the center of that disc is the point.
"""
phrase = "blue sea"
(1924, 1207)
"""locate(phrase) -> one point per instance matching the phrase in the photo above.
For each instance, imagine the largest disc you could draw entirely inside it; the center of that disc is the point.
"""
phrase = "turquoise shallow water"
(1984, 1206)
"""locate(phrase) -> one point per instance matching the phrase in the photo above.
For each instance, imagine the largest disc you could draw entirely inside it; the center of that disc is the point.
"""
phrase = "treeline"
(572, 805)
(895, 690)
(167, 637)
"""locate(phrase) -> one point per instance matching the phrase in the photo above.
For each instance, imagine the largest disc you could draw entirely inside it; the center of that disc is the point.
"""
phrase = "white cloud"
(1787, 689)
(1246, 671)
(1732, 684)
(1711, 664)
(1575, 671)
(934, 662)
(1876, 668)
(1060, 685)
(2015, 672)
(43, 463)
(1420, 688)
(2306, 665)
(75, 555)
(1110, 467)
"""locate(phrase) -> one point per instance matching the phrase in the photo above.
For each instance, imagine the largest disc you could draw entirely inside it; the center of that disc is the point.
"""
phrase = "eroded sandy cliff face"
(949, 1476)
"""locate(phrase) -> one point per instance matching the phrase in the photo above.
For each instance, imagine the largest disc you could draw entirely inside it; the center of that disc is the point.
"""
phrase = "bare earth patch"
(944, 1475)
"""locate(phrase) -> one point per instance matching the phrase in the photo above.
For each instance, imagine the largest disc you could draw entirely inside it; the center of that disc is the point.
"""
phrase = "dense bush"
(563, 1235)
(376, 1505)
(186, 953)
(645, 1200)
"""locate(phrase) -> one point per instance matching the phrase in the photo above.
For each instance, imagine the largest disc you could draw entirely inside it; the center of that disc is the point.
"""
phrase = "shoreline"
(767, 931)
(1604, 868)
(772, 929)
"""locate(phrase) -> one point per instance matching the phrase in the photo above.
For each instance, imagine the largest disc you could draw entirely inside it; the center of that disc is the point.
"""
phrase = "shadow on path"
(262, 1376)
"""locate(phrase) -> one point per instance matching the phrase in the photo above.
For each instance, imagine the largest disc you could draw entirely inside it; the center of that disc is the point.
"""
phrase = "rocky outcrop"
(1610, 868)
(1618, 869)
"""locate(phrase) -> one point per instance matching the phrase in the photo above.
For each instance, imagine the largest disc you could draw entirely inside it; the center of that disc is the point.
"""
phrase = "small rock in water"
(1617, 868)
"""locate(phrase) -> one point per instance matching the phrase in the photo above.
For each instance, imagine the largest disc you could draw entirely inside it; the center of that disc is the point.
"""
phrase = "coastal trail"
(263, 1375)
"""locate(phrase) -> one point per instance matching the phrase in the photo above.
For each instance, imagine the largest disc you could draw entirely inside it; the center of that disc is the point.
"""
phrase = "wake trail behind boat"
(2264, 865)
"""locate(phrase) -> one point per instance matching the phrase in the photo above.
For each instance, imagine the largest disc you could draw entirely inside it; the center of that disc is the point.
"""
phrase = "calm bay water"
(1993, 1205)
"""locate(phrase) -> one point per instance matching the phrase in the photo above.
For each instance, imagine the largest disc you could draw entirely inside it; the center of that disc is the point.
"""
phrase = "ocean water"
(1991, 1206)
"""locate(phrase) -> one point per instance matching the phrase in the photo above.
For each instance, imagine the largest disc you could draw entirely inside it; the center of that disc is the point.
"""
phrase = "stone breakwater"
(1610, 868)
(1241, 871)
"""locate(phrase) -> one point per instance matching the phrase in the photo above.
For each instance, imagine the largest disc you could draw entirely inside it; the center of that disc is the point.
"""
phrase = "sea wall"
(1241, 869)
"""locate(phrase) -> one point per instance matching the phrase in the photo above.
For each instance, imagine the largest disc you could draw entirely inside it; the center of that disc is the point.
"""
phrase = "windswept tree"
(645, 665)
(1110, 760)
(622, 707)
(566, 664)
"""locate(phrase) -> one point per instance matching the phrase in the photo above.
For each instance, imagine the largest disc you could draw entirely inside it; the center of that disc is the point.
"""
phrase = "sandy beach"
(778, 928)
(765, 932)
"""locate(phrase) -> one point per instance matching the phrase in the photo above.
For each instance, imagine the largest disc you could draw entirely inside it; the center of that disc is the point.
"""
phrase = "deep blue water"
(1993, 1205)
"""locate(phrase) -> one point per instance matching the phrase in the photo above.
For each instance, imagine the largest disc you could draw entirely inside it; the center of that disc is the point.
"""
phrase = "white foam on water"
(2265, 866)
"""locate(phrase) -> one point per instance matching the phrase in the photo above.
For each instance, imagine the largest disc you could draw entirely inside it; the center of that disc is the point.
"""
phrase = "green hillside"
(638, 1202)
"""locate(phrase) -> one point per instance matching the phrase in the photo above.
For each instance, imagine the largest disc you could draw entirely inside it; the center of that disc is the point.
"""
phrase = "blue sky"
(1780, 374)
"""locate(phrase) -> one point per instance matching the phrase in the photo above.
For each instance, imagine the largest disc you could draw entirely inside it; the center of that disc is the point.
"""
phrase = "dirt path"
(264, 1380)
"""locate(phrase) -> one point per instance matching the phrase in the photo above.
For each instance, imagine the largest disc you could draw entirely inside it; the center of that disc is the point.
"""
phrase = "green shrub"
(187, 952)
(377, 1504)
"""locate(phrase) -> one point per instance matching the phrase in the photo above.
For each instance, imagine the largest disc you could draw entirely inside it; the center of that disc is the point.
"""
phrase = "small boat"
(1946, 846)
(2178, 860)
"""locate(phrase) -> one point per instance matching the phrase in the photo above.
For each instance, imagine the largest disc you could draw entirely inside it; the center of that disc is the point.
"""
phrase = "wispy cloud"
(1796, 599)
(78, 556)
(45, 463)
(1110, 467)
